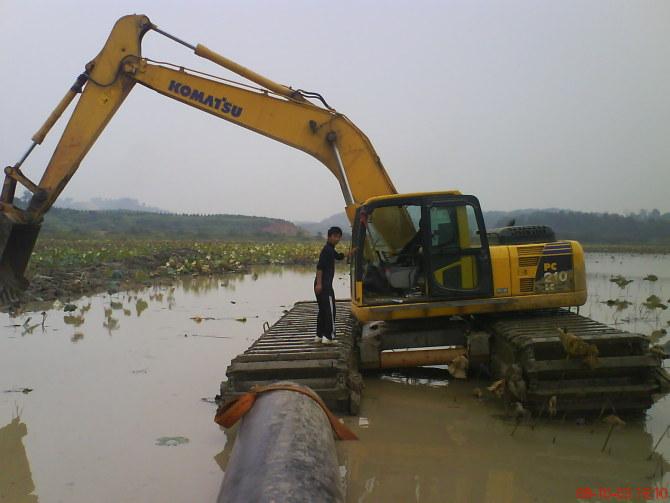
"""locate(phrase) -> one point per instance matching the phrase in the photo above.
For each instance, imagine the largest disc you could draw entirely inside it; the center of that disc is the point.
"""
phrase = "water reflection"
(439, 443)
(424, 438)
(16, 481)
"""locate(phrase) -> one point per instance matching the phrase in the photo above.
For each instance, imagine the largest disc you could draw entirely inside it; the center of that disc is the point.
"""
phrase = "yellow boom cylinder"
(38, 137)
(243, 71)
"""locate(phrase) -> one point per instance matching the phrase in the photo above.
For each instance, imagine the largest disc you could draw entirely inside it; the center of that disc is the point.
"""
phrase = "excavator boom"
(274, 110)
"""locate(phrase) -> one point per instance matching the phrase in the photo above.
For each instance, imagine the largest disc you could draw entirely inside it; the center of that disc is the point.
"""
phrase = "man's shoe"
(327, 341)
(317, 338)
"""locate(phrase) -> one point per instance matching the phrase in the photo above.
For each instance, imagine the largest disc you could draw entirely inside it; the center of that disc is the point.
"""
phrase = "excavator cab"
(419, 248)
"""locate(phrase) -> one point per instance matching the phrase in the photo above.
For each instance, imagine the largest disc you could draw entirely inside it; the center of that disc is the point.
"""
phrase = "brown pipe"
(419, 357)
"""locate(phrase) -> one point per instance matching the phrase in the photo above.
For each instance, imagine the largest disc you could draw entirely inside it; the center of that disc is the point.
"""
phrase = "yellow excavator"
(425, 267)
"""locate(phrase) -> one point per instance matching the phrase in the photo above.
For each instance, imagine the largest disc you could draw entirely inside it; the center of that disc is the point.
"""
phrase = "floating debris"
(171, 441)
(111, 323)
(659, 441)
(77, 321)
(76, 337)
(659, 351)
(613, 421)
(477, 393)
(650, 277)
(552, 406)
(241, 320)
(458, 367)
(116, 305)
(497, 388)
(657, 335)
(25, 391)
(515, 382)
(200, 319)
(29, 329)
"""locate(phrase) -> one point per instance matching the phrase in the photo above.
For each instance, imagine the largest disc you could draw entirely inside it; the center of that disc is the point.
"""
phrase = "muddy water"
(120, 405)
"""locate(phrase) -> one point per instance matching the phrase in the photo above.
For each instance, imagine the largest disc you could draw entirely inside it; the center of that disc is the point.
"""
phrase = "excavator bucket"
(16, 245)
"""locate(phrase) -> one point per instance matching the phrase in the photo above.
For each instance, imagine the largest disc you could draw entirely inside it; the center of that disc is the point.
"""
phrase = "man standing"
(323, 287)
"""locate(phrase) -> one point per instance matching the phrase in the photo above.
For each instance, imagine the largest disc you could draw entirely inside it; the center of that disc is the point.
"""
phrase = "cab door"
(458, 258)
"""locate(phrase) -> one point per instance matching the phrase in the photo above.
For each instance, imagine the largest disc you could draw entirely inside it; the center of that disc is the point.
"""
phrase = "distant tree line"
(61, 222)
(646, 227)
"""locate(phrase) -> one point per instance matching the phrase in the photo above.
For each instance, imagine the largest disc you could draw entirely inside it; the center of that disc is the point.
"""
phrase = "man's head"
(334, 235)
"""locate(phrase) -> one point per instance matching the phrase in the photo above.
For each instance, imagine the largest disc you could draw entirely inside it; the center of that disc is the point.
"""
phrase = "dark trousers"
(325, 320)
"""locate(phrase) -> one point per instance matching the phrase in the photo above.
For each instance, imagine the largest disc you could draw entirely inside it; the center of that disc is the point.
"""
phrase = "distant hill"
(316, 228)
(98, 203)
(63, 222)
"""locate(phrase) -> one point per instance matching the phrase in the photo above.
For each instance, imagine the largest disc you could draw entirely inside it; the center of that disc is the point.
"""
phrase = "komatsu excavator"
(426, 273)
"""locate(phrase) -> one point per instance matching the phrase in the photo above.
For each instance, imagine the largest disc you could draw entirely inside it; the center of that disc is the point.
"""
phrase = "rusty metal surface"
(288, 351)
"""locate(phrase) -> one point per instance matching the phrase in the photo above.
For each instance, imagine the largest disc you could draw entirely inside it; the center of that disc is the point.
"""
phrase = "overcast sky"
(523, 104)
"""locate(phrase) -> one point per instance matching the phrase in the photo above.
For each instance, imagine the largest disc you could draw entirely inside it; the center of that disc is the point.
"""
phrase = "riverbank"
(67, 269)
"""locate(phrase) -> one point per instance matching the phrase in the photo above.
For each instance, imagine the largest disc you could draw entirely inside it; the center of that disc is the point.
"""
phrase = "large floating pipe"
(284, 451)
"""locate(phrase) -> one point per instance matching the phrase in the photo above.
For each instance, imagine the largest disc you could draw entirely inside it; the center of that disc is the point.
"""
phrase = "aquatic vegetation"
(76, 321)
(654, 302)
(618, 303)
(68, 268)
(111, 324)
(69, 308)
(140, 306)
(620, 281)
(657, 335)
(650, 277)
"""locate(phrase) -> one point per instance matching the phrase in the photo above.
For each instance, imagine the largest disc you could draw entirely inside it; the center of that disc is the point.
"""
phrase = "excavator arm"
(273, 110)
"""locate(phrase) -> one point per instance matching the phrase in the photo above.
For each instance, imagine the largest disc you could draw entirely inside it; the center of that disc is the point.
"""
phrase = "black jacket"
(326, 265)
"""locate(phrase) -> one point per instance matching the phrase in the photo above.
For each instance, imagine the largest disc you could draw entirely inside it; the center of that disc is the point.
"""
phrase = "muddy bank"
(68, 269)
